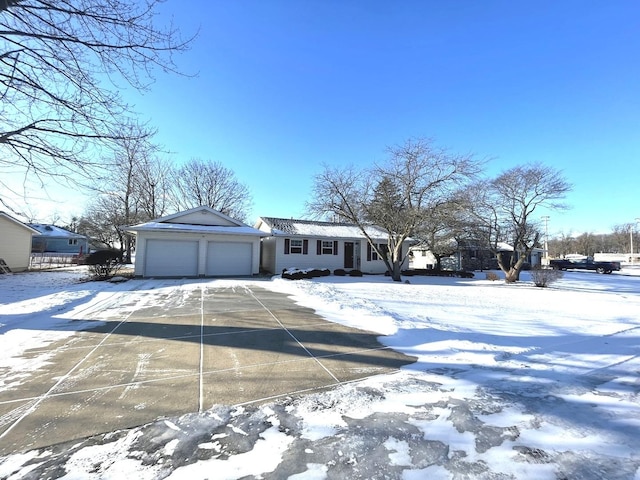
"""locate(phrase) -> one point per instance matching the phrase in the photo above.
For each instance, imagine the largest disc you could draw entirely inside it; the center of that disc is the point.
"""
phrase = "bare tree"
(154, 186)
(503, 209)
(55, 57)
(121, 193)
(443, 227)
(395, 195)
(199, 182)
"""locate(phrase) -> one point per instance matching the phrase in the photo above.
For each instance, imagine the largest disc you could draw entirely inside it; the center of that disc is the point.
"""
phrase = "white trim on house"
(197, 242)
(329, 245)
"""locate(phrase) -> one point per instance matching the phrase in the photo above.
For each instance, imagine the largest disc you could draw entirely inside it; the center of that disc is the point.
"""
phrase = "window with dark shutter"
(305, 247)
(296, 246)
(287, 243)
(335, 247)
(319, 247)
(368, 252)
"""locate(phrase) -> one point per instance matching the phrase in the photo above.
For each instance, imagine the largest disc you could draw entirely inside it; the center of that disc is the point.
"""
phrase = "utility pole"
(546, 240)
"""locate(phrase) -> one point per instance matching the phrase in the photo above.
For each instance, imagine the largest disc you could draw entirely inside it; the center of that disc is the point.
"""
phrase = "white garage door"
(171, 258)
(229, 258)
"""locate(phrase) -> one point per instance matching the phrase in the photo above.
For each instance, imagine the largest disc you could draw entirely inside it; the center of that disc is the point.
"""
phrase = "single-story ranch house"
(15, 242)
(195, 243)
(54, 239)
(309, 244)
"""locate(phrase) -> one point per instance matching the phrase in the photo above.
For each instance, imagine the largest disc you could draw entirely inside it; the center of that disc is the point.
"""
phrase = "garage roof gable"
(198, 220)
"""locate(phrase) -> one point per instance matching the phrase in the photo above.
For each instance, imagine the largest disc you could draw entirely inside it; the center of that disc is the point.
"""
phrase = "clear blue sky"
(285, 86)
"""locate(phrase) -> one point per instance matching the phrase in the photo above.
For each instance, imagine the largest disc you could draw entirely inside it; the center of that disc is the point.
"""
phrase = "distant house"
(196, 243)
(309, 244)
(54, 239)
(470, 255)
(15, 242)
(421, 258)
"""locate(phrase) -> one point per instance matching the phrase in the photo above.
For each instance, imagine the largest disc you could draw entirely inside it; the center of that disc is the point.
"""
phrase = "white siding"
(275, 246)
(268, 255)
(202, 217)
(15, 245)
(165, 254)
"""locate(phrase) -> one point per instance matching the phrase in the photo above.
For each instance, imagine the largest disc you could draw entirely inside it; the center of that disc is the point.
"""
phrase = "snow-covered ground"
(511, 382)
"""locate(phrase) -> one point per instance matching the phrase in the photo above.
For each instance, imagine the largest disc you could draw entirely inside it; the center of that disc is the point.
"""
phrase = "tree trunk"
(395, 274)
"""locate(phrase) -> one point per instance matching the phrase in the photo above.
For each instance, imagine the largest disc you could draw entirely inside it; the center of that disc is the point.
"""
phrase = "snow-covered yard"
(511, 382)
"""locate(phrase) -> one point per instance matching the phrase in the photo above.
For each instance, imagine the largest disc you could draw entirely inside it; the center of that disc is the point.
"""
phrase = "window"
(73, 241)
(372, 254)
(327, 247)
(295, 245)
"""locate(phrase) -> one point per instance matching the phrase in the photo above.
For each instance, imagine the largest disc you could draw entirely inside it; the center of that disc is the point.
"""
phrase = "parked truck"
(584, 264)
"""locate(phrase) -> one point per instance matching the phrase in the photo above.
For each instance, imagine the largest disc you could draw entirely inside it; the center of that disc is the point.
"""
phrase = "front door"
(348, 254)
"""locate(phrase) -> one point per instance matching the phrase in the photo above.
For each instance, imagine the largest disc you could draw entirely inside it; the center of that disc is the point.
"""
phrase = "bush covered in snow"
(299, 274)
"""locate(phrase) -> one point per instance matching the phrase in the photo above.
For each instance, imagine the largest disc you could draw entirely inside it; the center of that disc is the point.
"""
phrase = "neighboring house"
(310, 244)
(54, 239)
(421, 258)
(533, 259)
(471, 255)
(15, 242)
(196, 243)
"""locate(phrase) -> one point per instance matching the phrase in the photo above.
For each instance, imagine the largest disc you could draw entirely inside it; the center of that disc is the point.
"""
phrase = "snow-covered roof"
(186, 228)
(53, 231)
(312, 228)
(201, 215)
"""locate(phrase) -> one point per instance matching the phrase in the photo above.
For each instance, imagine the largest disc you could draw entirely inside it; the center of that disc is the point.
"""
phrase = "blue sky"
(286, 86)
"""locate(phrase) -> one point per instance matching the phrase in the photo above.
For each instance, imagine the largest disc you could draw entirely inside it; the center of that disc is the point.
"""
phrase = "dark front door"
(348, 254)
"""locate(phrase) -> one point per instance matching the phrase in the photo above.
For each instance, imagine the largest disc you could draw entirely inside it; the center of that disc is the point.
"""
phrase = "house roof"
(311, 228)
(19, 223)
(187, 228)
(214, 216)
(54, 232)
(198, 220)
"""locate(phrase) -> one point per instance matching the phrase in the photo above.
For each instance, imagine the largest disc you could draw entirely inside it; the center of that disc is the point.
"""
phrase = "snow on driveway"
(511, 382)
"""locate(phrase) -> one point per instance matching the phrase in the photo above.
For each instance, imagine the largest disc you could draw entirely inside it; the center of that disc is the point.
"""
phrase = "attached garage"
(196, 243)
(171, 258)
(229, 258)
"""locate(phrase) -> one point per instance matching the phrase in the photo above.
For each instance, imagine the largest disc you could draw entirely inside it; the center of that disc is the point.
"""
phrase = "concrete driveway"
(214, 346)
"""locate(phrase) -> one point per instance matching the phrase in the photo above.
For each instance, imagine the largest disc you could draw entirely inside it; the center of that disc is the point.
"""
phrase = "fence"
(47, 261)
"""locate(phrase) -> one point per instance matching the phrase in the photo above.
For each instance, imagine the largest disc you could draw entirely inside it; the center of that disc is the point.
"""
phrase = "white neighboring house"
(15, 242)
(421, 258)
(200, 242)
(310, 244)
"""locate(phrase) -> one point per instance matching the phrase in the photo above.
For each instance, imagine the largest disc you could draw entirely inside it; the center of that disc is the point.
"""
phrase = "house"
(15, 242)
(54, 239)
(470, 255)
(310, 244)
(421, 258)
(196, 243)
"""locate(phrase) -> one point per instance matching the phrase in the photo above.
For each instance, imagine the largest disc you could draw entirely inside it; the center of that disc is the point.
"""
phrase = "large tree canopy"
(59, 67)
(397, 195)
(199, 182)
(502, 210)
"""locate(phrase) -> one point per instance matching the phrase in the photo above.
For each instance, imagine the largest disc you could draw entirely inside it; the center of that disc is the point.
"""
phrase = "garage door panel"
(229, 258)
(171, 258)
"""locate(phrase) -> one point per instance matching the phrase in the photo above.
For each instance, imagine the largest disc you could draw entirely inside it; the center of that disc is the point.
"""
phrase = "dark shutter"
(319, 247)
(305, 247)
(335, 247)
(287, 244)
(368, 252)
